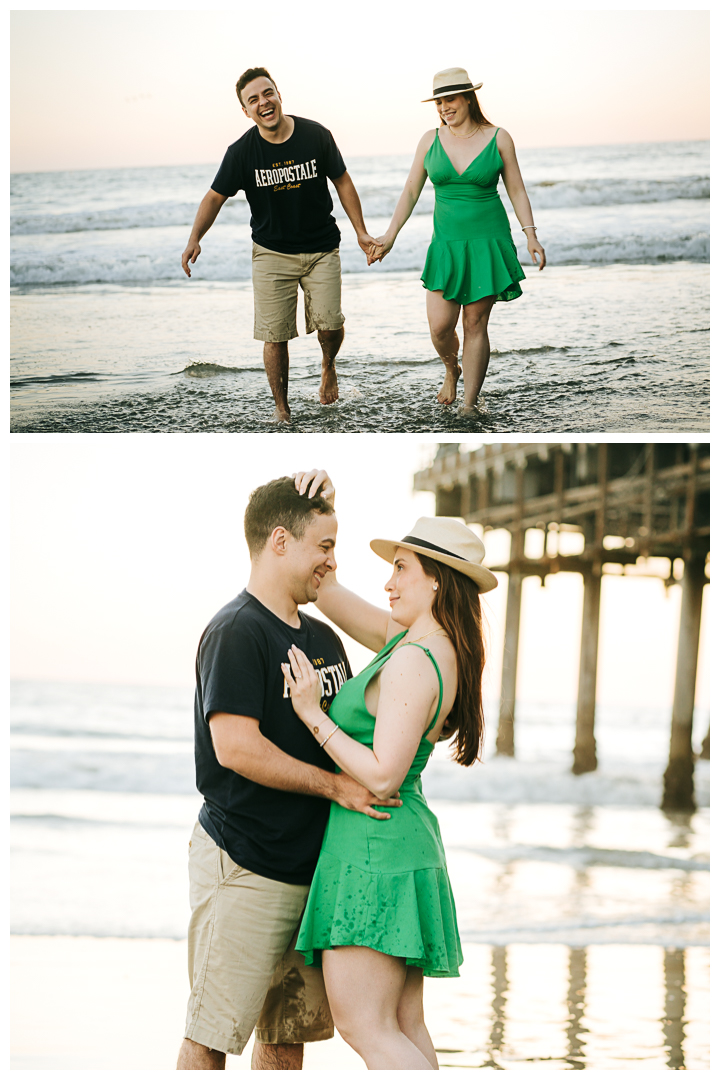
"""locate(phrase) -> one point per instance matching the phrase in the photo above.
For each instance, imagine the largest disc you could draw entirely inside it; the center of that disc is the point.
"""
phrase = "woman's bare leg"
(442, 318)
(411, 1017)
(476, 349)
(364, 988)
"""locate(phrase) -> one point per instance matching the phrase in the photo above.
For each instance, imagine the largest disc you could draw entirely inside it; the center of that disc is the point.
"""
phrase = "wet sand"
(587, 348)
(110, 1003)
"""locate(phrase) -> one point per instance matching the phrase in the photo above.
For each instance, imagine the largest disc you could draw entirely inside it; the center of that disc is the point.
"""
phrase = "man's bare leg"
(330, 342)
(280, 1056)
(194, 1056)
(277, 368)
(442, 318)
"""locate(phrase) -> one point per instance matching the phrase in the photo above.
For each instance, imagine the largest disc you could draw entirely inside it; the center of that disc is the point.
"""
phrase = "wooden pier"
(629, 501)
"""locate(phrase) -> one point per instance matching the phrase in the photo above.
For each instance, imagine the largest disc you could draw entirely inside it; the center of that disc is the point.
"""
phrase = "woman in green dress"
(380, 913)
(472, 260)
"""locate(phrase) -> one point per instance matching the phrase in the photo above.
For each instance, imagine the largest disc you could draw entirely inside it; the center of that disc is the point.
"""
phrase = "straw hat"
(447, 541)
(451, 81)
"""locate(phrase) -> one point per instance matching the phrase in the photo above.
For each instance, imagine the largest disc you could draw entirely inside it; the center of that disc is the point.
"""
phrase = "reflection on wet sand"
(606, 998)
(585, 939)
(500, 988)
(675, 999)
(577, 980)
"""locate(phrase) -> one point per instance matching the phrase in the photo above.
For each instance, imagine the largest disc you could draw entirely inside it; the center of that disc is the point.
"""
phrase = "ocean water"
(109, 335)
(104, 776)
(583, 909)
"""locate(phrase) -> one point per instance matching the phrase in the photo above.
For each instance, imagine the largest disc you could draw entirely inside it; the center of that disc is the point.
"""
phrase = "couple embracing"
(318, 884)
(283, 165)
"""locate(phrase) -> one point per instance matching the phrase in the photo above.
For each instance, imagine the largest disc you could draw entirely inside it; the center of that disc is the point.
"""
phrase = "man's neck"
(281, 133)
(273, 595)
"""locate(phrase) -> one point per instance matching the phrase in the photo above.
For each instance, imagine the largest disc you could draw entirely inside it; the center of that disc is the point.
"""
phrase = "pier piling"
(679, 793)
(585, 753)
(633, 504)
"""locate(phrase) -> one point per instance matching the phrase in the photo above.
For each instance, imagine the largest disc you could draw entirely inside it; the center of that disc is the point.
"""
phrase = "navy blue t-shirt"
(276, 834)
(286, 187)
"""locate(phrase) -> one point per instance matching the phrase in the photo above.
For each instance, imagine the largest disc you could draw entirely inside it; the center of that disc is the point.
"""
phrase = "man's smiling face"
(310, 559)
(262, 103)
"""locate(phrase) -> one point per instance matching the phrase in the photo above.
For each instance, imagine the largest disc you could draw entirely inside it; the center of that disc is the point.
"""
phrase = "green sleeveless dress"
(383, 884)
(472, 253)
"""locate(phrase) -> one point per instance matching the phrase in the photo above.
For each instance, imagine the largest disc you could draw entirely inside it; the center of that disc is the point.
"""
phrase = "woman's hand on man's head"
(315, 482)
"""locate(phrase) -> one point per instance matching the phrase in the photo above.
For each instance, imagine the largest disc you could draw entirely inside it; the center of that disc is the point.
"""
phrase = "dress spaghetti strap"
(437, 668)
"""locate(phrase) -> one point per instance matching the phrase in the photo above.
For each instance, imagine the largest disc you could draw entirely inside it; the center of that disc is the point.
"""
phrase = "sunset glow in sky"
(121, 556)
(94, 89)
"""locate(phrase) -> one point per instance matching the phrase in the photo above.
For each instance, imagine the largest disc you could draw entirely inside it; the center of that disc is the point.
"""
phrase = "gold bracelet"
(329, 736)
(318, 726)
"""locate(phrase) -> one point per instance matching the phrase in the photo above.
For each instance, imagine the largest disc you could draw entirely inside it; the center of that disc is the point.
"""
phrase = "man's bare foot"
(467, 410)
(329, 386)
(281, 416)
(448, 390)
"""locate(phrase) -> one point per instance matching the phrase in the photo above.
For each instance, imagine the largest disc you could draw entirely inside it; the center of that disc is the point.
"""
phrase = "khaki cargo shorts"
(244, 971)
(275, 288)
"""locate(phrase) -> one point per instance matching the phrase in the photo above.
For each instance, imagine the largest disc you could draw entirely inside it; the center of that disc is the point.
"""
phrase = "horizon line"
(408, 153)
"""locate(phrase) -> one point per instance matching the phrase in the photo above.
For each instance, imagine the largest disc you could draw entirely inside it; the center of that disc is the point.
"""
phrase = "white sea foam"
(138, 740)
(130, 226)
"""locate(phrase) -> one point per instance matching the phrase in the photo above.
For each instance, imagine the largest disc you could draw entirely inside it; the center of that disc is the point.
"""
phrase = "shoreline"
(578, 351)
(605, 1006)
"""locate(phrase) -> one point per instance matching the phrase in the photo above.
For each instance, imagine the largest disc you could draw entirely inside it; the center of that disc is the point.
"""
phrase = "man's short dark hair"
(248, 76)
(278, 503)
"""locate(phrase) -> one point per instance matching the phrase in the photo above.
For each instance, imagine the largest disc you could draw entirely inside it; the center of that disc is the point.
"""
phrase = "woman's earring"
(435, 587)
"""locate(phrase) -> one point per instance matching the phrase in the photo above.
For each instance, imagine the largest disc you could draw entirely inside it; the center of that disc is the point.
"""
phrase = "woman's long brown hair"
(476, 114)
(457, 608)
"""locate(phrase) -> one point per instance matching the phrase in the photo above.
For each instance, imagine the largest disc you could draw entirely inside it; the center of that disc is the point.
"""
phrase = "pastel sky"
(94, 88)
(121, 555)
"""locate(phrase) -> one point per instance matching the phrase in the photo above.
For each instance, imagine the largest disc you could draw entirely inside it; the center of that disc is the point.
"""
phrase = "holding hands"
(382, 246)
(375, 249)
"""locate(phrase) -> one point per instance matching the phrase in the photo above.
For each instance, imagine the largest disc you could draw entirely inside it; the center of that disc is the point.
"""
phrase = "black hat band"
(433, 547)
(455, 86)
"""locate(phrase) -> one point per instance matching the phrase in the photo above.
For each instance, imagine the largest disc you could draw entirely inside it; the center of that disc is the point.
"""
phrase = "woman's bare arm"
(408, 693)
(517, 194)
(363, 621)
(410, 194)
(357, 617)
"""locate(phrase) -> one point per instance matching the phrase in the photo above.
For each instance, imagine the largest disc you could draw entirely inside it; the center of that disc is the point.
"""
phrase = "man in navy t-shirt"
(283, 165)
(266, 784)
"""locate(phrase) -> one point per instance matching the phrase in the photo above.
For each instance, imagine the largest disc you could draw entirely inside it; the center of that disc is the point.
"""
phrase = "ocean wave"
(147, 216)
(232, 263)
(507, 780)
(584, 856)
(667, 930)
(167, 768)
(71, 377)
(198, 369)
(557, 194)
(376, 202)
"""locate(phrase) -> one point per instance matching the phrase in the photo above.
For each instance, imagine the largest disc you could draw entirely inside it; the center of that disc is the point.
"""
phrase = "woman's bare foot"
(329, 385)
(448, 390)
(281, 415)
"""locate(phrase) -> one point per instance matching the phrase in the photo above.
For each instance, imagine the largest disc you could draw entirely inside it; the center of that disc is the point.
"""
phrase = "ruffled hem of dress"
(468, 270)
(411, 915)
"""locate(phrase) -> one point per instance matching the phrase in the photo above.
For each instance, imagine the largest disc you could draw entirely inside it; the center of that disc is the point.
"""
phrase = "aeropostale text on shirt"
(286, 174)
